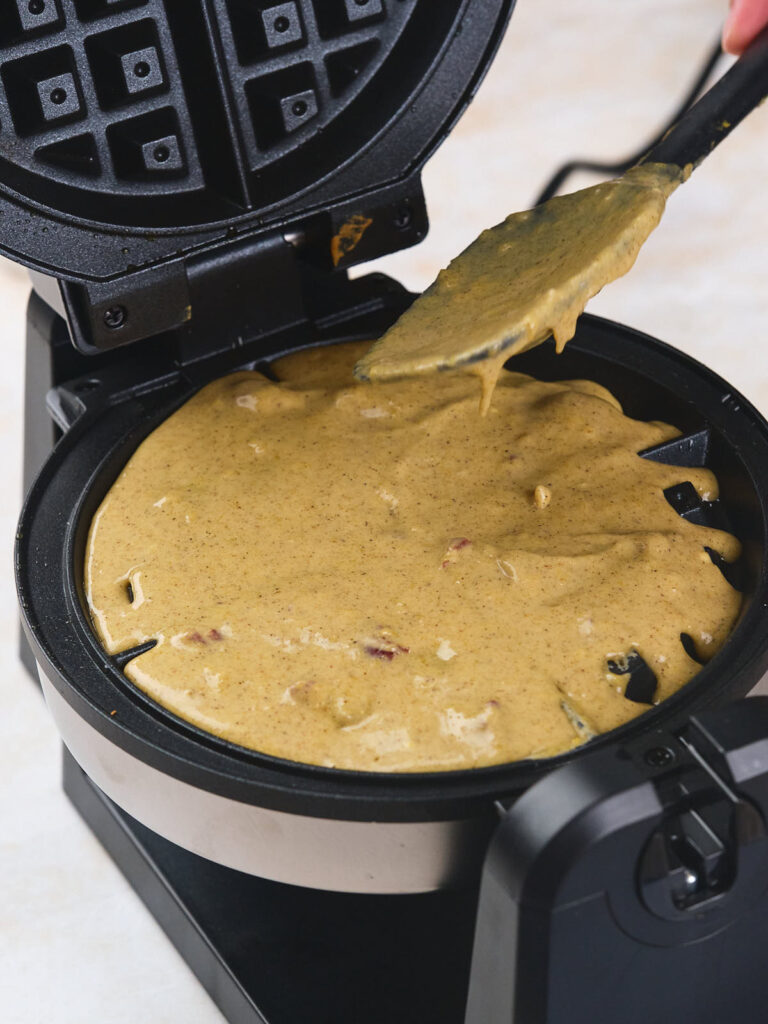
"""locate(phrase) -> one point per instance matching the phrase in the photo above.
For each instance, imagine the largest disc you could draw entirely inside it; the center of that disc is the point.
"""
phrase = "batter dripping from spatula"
(525, 279)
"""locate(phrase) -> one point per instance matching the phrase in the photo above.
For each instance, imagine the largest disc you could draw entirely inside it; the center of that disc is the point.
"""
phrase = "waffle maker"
(189, 181)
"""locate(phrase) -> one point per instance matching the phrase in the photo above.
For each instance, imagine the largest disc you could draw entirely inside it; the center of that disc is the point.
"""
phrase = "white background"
(593, 77)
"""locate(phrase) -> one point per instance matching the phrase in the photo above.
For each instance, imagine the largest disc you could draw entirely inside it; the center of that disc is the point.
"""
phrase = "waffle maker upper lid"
(136, 134)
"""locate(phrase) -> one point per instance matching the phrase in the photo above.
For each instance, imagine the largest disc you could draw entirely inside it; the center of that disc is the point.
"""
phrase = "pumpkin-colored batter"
(374, 577)
(528, 277)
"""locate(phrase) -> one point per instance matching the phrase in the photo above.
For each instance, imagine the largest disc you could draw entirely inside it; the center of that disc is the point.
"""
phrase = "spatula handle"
(720, 109)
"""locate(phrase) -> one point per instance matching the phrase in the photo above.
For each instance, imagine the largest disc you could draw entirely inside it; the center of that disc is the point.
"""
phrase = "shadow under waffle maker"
(189, 182)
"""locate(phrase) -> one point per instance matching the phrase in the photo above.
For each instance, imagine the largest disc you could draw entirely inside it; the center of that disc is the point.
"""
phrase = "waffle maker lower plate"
(324, 828)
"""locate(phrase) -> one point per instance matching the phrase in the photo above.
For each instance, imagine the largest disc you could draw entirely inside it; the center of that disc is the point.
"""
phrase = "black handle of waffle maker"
(742, 88)
(631, 885)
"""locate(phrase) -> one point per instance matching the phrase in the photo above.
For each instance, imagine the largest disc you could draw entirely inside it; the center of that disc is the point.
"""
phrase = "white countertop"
(593, 78)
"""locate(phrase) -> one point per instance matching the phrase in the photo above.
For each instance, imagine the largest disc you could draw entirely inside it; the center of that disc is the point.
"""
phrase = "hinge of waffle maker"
(632, 885)
(242, 287)
(216, 298)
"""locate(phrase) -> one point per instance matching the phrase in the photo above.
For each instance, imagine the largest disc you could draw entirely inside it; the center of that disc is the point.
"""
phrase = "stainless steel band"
(319, 853)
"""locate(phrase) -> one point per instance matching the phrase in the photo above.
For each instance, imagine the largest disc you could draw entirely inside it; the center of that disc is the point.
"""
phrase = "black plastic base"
(275, 954)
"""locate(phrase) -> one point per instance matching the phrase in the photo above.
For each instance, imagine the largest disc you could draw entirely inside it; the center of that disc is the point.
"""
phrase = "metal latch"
(693, 857)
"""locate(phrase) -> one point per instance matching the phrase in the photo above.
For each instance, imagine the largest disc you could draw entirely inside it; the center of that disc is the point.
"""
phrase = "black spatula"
(532, 275)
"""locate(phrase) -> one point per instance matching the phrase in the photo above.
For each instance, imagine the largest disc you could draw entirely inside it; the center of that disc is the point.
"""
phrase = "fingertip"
(731, 39)
(746, 20)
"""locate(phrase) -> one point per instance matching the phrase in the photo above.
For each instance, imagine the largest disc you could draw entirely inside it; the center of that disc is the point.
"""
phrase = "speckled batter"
(374, 577)
(526, 278)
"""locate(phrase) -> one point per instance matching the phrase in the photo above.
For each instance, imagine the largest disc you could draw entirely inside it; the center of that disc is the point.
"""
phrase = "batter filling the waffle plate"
(374, 577)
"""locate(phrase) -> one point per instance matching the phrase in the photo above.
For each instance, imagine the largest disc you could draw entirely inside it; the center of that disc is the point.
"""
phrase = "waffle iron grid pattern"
(134, 98)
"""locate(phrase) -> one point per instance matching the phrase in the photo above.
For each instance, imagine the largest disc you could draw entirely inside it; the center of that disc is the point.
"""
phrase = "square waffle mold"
(160, 159)
(208, 100)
